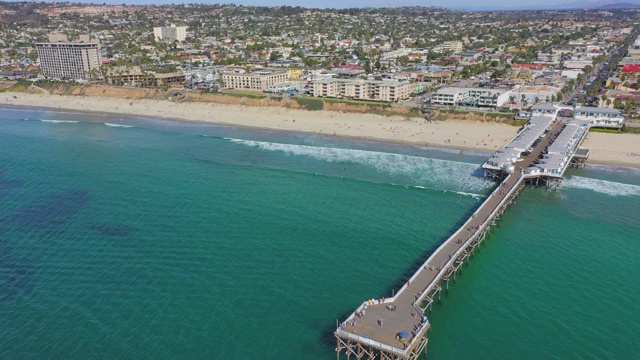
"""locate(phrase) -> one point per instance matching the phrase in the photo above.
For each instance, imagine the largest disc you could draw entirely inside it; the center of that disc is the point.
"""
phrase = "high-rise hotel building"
(170, 34)
(69, 60)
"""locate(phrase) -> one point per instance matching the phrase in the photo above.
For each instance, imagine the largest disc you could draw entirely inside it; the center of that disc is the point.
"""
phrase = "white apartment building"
(449, 96)
(259, 80)
(544, 110)
(391, 55)
(577, 64)
(327, 88)
(68, 60)
(534, 94)
(600, 117)
(479, 97)
(362, 89)
(170, 34)
(454, 46)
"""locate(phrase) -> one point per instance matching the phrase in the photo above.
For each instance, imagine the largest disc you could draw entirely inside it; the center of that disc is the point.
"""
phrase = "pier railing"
(441, 273)
(375, 344)
(478, 232)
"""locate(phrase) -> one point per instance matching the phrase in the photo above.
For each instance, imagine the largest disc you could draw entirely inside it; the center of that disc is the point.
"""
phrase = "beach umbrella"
(403, 334)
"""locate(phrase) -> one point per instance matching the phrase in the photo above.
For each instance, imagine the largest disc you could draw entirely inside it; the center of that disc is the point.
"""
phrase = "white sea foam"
(614, 169)
(52, 121)
(602, 186)
(432, 173)
(475, 196)
(59, 121)
(444, 150)
(118, 125)
(479, 153)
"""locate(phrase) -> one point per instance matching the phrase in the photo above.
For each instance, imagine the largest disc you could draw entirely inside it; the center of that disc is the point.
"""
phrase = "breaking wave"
(475, 196)
(60, 121)
(419, 171)
(614, 169)
(602, 186)
(118, 125)
(54, 121)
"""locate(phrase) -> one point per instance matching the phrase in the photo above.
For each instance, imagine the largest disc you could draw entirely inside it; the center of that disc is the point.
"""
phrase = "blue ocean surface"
(134, 238)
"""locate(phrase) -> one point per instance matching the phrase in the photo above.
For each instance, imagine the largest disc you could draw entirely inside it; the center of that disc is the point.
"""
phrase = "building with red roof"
(528, 66)
(631, 68)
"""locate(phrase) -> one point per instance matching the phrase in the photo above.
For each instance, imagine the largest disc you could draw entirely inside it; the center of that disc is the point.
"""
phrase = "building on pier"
(600, 117)
(560, 152)
(505, 159)
(547, 110)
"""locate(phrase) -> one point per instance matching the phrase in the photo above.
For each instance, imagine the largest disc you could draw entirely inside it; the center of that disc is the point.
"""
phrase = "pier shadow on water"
(478, 173)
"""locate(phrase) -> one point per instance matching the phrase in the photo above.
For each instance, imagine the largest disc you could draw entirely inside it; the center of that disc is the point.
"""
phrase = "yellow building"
(453, 46)
(441, 77)
(296, 73)
(134, 76)
(363, 89)
(259, 80)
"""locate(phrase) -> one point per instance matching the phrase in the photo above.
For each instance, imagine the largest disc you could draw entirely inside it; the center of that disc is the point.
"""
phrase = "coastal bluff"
(460, 131)
(255, 100)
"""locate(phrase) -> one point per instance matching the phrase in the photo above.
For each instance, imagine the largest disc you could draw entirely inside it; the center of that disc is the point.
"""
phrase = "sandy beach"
(611, 149)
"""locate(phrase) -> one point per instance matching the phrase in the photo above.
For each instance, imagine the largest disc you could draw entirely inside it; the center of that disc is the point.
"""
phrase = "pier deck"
(374, 334)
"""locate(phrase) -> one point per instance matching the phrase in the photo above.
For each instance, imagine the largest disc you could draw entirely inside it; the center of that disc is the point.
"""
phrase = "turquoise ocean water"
(145, 239)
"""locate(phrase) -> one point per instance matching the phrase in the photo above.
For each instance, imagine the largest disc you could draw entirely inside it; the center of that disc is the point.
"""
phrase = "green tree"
(403, 60)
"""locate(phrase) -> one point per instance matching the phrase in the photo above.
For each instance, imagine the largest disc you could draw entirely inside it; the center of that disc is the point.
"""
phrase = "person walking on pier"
(380, 322)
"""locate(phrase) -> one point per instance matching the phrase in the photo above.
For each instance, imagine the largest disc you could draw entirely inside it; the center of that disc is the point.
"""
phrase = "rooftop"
(596, 110)
(450, 91)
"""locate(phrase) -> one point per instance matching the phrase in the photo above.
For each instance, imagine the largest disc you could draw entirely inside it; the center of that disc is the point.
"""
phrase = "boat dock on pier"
(396, 327)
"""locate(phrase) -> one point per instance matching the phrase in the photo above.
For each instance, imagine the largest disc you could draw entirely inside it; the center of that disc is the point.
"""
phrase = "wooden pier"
(397, 327)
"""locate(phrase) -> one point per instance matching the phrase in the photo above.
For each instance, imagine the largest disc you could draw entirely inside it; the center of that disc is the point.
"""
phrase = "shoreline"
(242, 126)
(452, 134)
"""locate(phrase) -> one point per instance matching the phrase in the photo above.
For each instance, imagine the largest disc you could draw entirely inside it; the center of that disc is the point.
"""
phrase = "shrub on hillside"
(310, 104)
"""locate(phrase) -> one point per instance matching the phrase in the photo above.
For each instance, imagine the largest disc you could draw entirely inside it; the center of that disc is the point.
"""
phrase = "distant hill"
(619, 6)
(575, 4)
